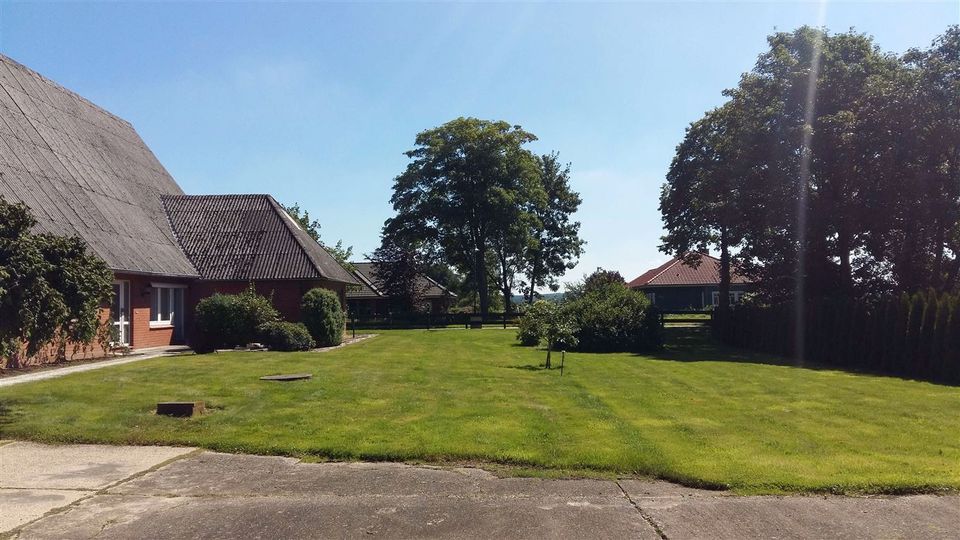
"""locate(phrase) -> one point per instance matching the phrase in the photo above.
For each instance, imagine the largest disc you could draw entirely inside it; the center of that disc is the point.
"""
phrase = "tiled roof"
(677, 273)
(85, 172)
(370, 288)
(248, 237)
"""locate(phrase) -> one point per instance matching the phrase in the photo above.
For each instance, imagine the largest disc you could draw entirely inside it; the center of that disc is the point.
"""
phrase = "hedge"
(915, 336)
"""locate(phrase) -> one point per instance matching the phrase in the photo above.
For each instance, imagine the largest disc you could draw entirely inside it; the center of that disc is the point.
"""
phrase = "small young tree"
(51, 288)
(552, 325)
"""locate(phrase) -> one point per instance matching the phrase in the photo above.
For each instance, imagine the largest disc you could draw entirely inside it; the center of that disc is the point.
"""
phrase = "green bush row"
(908, 335)
(606, 318)
(225, 321)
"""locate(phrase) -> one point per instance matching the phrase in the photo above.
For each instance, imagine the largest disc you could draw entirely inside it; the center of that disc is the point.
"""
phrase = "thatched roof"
(248, 237)
(370, 287)
(85, 172)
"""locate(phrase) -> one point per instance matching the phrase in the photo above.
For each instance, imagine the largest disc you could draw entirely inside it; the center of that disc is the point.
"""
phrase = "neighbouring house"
(370, 300)
(83, 171)
(675, 285)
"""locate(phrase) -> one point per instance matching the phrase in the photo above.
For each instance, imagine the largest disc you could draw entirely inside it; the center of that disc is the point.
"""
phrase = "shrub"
(228, 320)
(613, 318)
(531, 324)
(323, 316)
(286, 336)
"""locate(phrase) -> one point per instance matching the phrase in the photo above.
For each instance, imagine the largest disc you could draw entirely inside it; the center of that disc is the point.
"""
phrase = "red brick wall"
(142, 335)
(286, 294)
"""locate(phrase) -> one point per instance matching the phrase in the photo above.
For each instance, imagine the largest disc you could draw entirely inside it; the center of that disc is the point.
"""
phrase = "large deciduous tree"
(833, 169)
(462, 198)
(51, 289)
(554, 243)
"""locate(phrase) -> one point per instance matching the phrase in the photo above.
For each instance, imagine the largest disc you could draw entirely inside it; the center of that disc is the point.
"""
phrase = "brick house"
(675, 285)
(370, 300)
(83, 171)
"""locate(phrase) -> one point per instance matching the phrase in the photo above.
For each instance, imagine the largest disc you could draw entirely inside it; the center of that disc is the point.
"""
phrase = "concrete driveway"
(155, 492)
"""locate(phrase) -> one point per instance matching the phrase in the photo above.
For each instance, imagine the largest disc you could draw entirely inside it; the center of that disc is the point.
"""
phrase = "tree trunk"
(479, 263)
(723, 307)
(549, 348)
(534, 274)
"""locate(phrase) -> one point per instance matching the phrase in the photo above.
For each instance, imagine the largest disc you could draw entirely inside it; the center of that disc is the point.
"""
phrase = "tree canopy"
(341, 253)
(832, 170)
(474, 197)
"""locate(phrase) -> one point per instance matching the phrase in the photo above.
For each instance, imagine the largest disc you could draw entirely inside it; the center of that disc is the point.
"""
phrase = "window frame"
(159, 318)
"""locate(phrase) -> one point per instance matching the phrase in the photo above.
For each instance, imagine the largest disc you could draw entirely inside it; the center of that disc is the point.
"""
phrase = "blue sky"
(316, 103)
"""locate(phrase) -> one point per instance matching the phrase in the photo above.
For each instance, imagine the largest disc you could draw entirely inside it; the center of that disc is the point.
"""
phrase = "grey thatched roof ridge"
(247, 237)
(85, 172)
(370, 288)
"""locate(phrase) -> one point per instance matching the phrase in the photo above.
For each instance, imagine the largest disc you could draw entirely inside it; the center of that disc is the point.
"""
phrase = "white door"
(120, 312)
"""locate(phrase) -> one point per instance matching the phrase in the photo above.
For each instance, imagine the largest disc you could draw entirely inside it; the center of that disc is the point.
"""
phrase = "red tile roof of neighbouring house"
(677, 273)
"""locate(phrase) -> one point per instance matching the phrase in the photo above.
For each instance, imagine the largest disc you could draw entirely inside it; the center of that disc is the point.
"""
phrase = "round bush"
(224, 321)
(615, 319)
(532, 324)
(323, 316)
(286, 336)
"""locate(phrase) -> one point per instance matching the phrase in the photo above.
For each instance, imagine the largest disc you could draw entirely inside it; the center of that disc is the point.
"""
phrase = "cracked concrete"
(172, 493)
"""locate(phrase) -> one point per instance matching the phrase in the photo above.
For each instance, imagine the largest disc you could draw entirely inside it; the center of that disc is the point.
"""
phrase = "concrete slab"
(211, 495)
(87, 467)
(25, 505)
(130, 516)
(799, 517)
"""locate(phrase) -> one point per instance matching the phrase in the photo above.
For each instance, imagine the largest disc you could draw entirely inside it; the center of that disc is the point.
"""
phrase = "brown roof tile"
(675, 272)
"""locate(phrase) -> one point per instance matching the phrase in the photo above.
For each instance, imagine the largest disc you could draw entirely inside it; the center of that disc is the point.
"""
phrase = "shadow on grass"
(528, 367)
(696, 344)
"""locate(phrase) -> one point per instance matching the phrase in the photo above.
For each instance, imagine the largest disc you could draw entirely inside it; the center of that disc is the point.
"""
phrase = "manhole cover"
(290, 377)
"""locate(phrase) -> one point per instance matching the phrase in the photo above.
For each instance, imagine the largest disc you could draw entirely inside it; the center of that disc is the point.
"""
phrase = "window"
(652, 297)
(166, 306)
(735, 297)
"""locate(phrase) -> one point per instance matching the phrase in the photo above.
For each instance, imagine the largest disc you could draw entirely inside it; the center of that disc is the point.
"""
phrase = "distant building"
(675, 285)
(370, 300)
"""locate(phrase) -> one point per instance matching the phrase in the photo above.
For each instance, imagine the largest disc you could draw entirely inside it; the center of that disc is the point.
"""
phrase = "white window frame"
(158, 319)
(735, 297)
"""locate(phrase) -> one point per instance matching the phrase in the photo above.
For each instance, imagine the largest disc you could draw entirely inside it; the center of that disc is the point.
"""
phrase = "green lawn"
(696, 414)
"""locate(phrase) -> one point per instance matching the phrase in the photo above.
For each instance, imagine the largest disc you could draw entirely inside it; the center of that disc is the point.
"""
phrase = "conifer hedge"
(916, 336)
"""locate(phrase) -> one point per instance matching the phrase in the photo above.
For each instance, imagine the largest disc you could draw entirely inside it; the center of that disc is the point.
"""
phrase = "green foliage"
(285, 336)
(51, 289)
(554, 243)
(399, 274)
(323, 316)
(225, 321)
(467, 198)
(609, 317)
(880, 150)
(548, 323)
(312, 227)
(914, 336)
(531, 330)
